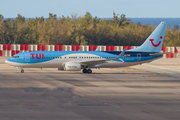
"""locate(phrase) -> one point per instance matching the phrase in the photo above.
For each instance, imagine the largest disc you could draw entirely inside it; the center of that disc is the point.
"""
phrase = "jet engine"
(72, 67)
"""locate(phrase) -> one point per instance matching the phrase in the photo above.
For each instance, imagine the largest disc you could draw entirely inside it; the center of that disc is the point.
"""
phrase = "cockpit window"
(15, 56)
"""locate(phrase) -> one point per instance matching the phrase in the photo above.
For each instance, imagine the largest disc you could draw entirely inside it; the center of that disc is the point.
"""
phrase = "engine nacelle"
(72, 67)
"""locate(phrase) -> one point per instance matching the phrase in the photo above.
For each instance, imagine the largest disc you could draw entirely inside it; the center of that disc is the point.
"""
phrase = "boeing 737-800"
(85, 60)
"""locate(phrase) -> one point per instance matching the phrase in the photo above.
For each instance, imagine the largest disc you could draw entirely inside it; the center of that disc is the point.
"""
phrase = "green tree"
(82, 30)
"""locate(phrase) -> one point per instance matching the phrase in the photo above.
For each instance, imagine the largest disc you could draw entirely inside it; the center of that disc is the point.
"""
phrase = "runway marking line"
(155, 76)
(95, 98)
(122, 68)
(145, 73)
(135, 71)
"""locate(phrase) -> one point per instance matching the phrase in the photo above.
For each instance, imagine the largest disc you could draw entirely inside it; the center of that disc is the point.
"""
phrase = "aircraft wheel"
(89, 71)
(22, 71)
(84, 71)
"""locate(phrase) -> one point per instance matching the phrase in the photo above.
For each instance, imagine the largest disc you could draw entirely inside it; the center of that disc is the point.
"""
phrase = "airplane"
(85, 60)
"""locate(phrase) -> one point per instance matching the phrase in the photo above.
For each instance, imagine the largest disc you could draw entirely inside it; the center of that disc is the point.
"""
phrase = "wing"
(91, 63)
(95, 62)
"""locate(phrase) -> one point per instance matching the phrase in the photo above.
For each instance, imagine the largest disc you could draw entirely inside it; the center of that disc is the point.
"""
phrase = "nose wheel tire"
(22, 71)
(87, 71)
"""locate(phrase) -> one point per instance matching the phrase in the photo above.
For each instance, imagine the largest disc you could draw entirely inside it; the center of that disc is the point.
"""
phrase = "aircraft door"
(138, 57)
(27, 57)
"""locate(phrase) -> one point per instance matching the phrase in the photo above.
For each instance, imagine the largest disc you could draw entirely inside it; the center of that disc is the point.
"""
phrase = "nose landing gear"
(87, 71)
(22, 71)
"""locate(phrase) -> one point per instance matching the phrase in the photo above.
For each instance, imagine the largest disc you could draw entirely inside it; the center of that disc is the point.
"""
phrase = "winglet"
(122, 53)
(97, 49)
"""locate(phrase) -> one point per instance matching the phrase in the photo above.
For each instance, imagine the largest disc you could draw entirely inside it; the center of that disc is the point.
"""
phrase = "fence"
(9, 50)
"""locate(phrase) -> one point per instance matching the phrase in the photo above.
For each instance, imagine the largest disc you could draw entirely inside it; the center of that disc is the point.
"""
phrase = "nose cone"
(8, 61)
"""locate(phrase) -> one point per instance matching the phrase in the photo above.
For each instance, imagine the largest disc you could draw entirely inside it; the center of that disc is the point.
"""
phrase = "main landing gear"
(22, 71)
(87, 71)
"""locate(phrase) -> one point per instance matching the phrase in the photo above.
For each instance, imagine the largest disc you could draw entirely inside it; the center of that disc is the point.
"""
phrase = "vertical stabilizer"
(154, 42)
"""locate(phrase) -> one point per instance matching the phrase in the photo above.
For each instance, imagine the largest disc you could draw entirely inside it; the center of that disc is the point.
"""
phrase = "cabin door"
(27, 57)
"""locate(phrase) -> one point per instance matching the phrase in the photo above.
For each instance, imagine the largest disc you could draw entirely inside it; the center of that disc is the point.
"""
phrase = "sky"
(99, 8)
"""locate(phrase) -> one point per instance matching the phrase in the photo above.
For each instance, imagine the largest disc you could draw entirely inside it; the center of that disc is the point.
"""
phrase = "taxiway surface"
(147, 92)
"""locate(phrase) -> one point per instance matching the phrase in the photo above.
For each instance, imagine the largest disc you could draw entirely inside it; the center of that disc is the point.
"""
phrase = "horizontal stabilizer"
(155, 54)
